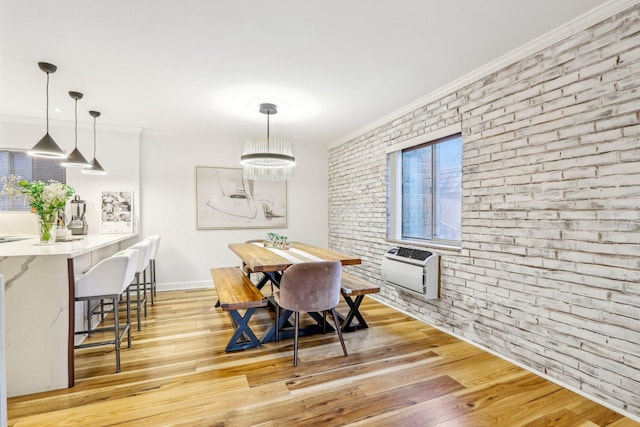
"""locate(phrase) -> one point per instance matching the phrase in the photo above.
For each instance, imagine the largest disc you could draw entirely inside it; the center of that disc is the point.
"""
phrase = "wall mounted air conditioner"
(413, 270)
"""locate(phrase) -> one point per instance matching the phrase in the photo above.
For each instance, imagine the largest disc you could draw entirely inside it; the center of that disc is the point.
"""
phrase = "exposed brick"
(550, 245)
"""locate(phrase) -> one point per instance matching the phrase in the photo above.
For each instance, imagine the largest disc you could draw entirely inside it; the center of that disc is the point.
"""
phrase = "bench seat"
(237, 292)
(353, 286)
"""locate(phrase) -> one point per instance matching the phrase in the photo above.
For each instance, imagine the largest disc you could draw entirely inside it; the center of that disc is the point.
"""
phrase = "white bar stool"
(144, 249)
(105, 282)
(155, 245)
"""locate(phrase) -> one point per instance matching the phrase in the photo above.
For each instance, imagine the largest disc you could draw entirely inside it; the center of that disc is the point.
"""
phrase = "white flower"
(10, 186)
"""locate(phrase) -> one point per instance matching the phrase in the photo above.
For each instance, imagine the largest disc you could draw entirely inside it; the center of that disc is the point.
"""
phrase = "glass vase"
(46, 230)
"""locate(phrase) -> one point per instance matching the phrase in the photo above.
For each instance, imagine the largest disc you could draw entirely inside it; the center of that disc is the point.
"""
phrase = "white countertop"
(32, 246)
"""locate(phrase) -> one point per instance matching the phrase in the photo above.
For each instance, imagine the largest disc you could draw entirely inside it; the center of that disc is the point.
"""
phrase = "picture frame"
(116, 212)
(227, 200)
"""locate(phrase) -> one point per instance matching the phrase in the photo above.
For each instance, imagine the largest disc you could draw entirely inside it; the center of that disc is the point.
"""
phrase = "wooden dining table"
(273, 261)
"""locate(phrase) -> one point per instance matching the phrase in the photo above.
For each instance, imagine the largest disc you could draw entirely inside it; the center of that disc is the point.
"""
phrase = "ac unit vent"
(413, 253)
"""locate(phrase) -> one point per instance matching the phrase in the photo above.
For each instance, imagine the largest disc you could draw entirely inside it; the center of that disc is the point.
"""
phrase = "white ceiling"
(201, 66)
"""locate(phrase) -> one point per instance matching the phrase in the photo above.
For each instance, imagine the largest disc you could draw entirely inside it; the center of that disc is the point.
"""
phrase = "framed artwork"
(116, 212)
(225, 199)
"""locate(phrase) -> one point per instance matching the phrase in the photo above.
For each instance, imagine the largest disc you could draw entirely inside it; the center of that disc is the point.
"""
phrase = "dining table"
(258, 257)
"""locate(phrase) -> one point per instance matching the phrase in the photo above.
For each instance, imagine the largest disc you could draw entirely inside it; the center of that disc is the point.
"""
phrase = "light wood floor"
(399, 372)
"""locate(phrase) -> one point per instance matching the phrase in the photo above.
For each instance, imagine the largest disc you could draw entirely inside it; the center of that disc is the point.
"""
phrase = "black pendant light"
(75, 159)
(47, 147)
(95, 168)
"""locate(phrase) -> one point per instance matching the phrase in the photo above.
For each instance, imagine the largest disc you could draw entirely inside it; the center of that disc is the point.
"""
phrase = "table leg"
(242, 329)
(354, 311)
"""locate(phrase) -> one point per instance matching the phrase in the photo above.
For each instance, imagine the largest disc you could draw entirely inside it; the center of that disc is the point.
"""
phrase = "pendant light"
(94, 167)
(47, 147)
(75, 159)
(268, 159)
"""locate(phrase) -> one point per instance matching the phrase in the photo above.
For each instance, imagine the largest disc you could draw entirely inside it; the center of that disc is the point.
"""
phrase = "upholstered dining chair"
(104, 283)
(310, 287)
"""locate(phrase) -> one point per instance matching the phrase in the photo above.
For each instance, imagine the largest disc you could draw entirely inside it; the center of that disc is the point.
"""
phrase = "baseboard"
(178, 286)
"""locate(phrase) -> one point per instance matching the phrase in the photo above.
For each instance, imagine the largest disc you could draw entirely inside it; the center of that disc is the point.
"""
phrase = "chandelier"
(268, 159)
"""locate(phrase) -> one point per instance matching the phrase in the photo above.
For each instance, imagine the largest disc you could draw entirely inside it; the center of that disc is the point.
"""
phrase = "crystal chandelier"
(268, 159)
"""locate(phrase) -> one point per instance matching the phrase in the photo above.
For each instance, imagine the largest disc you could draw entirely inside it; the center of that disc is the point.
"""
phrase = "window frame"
(394, 187)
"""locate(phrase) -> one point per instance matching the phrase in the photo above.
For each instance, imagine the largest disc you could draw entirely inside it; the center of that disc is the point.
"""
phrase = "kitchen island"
(40, 312)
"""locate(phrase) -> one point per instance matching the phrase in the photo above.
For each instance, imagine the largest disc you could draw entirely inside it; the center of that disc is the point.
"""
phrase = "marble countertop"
(30, 245)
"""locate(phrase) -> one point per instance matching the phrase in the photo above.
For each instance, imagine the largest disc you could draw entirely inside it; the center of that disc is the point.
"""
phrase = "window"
(20, 164)
(425, 189)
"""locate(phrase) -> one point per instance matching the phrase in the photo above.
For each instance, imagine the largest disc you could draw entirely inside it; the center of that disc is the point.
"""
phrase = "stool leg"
(128, 317)
(116, 315)
(138, 300)
(144, 290)
(88, 306)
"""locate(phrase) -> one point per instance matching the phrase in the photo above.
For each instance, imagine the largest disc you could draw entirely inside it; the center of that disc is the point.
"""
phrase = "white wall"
(168, 204)
(118, 152)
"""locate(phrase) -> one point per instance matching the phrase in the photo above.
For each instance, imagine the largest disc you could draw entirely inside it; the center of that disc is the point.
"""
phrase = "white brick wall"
(551, 210)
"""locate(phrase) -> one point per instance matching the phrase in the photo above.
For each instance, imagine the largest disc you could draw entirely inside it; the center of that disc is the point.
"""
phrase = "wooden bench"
(237, 292)
(355, 287)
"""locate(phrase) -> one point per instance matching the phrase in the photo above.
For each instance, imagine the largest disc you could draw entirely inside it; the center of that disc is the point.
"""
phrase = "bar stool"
(155, 244)
(144, 249)
(105, 282)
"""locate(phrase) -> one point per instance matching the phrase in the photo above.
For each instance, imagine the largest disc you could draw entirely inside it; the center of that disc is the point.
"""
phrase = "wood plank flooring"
(399, 372)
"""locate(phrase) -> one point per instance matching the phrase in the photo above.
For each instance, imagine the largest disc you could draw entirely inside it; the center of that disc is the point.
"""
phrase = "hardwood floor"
(399, 372)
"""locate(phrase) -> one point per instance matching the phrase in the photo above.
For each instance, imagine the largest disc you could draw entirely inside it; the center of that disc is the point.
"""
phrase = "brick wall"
(551, 210)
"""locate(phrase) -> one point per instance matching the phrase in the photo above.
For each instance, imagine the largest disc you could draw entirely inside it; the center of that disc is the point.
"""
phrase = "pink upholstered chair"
(310, 287)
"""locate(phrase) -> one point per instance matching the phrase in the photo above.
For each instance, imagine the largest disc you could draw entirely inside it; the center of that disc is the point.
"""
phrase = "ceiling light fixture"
(268, 159)
(75, 159)
(94, 167)
(47, 147)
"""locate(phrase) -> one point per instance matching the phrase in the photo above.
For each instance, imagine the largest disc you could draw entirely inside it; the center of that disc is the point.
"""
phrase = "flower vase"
(46, 230)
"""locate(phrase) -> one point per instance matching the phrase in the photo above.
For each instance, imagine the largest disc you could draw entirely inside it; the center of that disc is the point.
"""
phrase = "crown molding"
(582, 22)
(5, 118)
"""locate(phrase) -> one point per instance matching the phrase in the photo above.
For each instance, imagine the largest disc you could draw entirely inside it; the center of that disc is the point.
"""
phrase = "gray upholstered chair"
(310, 287)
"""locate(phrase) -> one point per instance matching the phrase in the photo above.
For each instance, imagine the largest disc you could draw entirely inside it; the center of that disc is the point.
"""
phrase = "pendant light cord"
(268, 147)
(47, 102)
(94, 138)
(76, 127)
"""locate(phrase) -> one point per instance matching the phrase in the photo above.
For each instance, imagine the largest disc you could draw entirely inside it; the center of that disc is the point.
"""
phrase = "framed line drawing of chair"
(225, 199)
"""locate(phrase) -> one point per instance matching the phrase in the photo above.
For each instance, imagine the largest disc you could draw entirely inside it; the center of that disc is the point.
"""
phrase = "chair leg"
(337, 322)
(324, 322)
(277, 323)
(296, 317)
